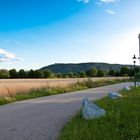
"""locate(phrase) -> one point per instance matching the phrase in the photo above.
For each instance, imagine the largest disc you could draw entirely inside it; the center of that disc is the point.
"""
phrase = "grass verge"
(122, 120)
(57, 90)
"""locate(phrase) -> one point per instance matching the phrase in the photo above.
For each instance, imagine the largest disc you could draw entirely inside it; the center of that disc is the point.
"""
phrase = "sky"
(37, 33)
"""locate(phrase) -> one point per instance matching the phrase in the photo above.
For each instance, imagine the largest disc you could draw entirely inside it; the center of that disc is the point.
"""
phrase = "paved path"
(43, 118)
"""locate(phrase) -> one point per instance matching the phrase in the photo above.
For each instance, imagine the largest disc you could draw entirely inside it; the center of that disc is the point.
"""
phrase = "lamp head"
(134, 57)
(134, 62)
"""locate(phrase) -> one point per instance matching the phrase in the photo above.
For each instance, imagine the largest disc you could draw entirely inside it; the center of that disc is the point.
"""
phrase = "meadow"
(10, 87)
(23, 89)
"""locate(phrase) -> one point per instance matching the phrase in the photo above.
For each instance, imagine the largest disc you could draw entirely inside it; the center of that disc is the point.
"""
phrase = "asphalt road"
(43, 118)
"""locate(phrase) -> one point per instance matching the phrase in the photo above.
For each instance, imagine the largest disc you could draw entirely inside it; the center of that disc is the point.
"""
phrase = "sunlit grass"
(47, 91)
(13, 86)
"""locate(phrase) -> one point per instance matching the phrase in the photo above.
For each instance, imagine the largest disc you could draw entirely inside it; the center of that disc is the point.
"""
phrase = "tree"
(13, 73)
(124, 70)
(38, 74)
(64, 75)
(22, 74)
(137, 69)
(47, 73)
(70, 75)
(58, 75)
(112, 72)
(82, 74)
(92, 72)
(117, 73)
(131, 72)
(75, 75)
(100, 73)
(31, 74)
(4, 74)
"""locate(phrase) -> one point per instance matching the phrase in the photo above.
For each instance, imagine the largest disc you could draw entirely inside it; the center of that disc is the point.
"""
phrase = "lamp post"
(139, 48)
(134, 58)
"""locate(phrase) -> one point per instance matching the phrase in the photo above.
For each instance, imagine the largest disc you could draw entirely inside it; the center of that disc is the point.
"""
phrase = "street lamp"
(134, 58)
(139, 48)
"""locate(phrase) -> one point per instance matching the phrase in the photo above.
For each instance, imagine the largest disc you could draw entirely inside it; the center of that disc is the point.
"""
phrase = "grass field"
(122, 120)
(9, 87)
(27, 89)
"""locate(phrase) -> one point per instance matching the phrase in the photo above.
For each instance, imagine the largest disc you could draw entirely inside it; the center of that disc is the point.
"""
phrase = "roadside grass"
(122, 120)
(57, 90)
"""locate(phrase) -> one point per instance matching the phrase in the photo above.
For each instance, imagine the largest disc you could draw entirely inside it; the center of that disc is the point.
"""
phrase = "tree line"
(93, 72)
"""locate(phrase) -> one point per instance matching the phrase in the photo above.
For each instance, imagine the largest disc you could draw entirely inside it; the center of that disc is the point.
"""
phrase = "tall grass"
(47, 91)
(13, 86)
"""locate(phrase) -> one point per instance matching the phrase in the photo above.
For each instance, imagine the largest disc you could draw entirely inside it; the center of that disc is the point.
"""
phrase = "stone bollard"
(113, 95)
(91, 110)
(126, 88)
(138, 84)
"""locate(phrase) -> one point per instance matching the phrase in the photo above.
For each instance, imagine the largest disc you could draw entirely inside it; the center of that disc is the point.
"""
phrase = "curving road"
(43, 118)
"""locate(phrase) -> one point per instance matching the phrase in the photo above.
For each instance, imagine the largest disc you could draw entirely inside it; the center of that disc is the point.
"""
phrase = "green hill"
(66, 68)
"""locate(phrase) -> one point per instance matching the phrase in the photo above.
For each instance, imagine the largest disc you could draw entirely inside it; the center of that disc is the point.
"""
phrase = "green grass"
(122, 120)
(57, 90)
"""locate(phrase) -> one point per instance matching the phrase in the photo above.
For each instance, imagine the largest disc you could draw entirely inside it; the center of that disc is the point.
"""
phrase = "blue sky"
(36, 33)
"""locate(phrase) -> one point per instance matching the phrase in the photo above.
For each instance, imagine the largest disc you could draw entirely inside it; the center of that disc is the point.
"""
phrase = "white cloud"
(8, 56)
(108, 11)
(109, 1)
(84, 1)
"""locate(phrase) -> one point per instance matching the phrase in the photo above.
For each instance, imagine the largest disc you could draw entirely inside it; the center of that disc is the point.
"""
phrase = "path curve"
(43, 118)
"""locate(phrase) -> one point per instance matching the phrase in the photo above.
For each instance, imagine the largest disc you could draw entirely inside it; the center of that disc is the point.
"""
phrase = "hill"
(66, 68)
